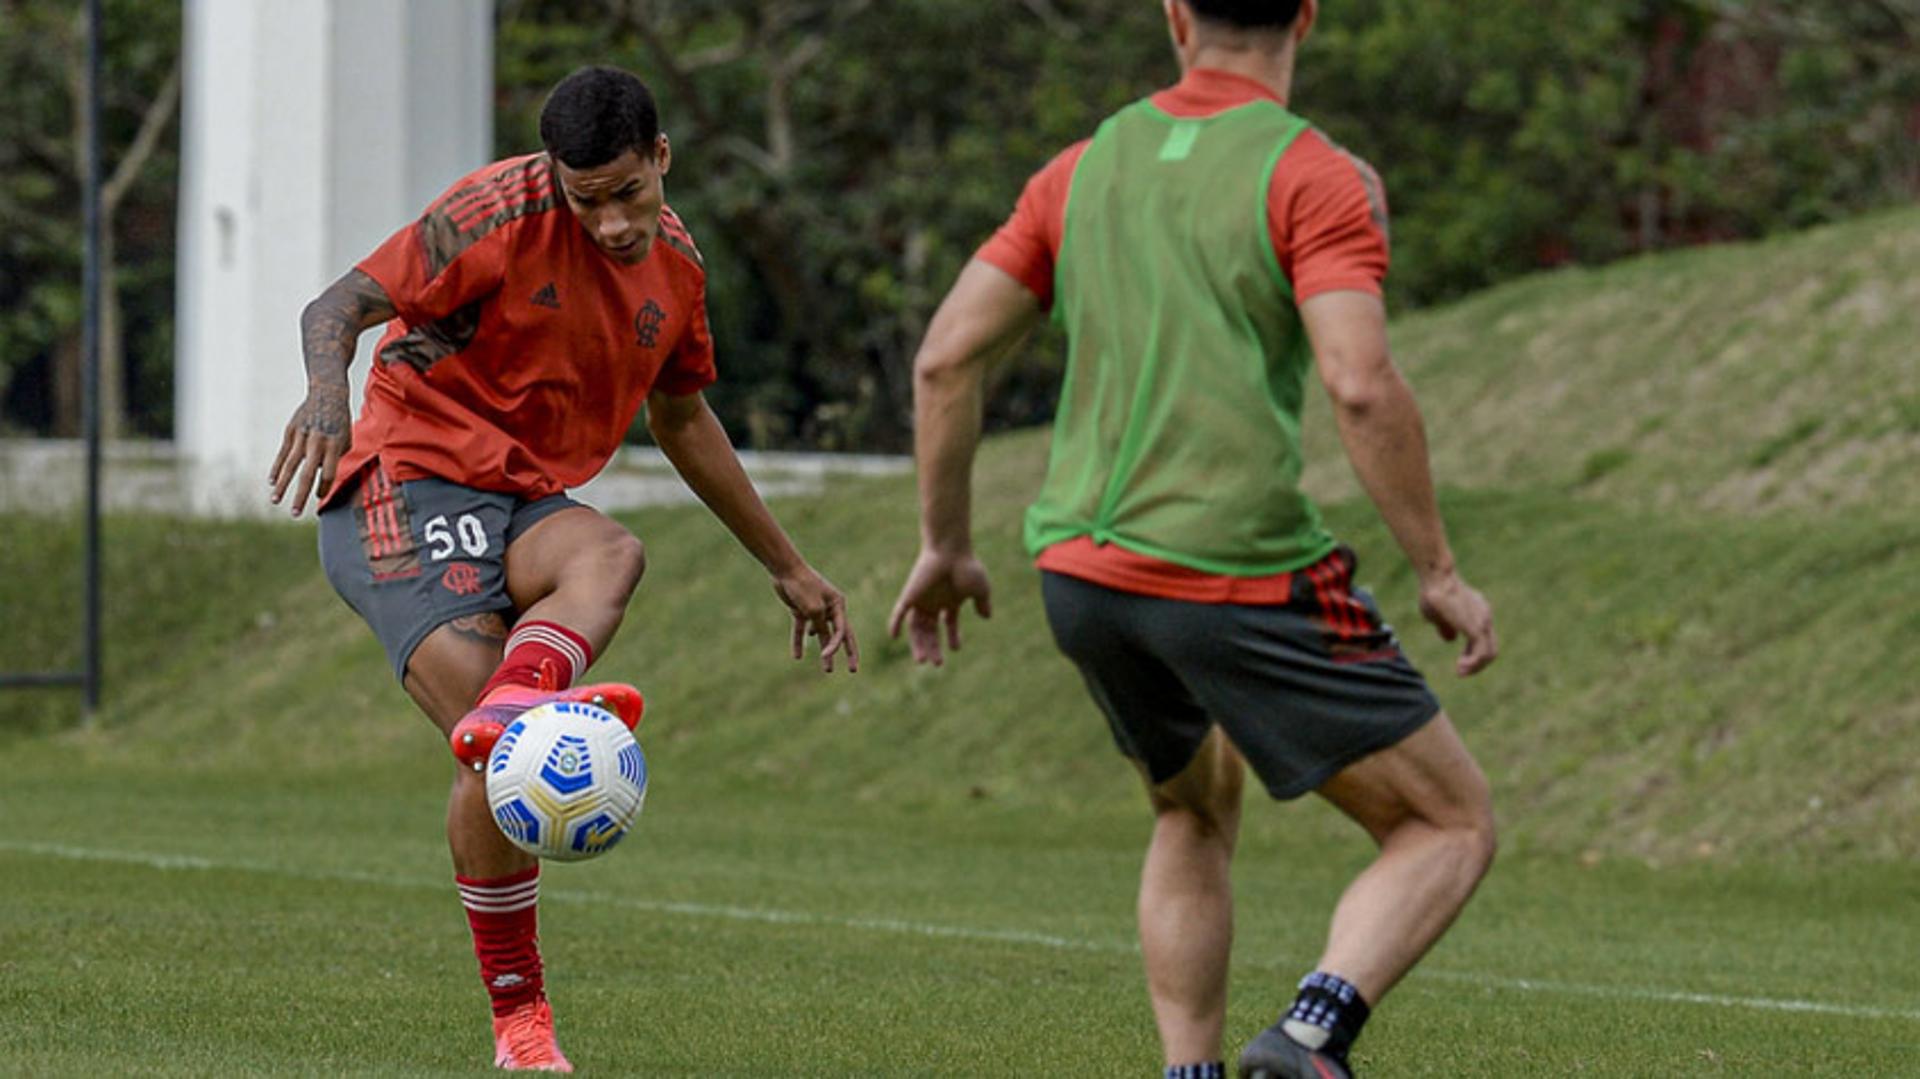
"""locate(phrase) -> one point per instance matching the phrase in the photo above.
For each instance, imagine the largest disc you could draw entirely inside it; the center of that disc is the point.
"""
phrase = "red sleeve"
(458, 251)
(1327, 216)
(425, 286)
(1026, 246)
(690, 367)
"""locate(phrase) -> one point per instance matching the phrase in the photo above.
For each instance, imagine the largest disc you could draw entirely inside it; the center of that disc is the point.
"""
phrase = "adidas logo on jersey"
(548, 296)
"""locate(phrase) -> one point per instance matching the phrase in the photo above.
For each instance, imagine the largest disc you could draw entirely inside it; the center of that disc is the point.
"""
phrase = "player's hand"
(937, 587)
(820, 611)
(318, 435)
(1456, 610)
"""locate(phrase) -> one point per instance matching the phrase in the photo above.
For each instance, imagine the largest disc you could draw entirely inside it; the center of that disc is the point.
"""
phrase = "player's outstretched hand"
(820, 611)
(1456, 609)
(318, 435)
(937, 587)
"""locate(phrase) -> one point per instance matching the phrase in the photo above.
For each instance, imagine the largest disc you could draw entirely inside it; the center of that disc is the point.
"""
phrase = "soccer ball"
(565, 780)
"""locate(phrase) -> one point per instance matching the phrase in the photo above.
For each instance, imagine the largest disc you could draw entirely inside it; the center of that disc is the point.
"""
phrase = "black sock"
(1327, 1015)
(1211, 1069)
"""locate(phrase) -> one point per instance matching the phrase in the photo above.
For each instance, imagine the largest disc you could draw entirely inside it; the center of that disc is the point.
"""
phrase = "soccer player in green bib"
(1203, 251)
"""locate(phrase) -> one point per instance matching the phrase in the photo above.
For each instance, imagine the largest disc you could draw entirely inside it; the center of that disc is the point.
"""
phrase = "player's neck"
(1272, 70)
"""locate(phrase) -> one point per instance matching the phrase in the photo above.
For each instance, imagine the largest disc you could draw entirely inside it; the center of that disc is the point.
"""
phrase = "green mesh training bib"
(1178, 432)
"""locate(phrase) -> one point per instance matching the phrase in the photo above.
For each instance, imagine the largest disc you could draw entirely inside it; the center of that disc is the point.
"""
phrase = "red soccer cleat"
(473, 737)
(523, 1040)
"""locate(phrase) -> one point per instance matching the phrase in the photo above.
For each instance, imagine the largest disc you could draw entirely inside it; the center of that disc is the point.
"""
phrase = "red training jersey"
(1327, 220)
(521, 353)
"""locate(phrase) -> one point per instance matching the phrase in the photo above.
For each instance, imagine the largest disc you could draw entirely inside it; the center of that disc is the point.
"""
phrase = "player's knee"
(623, 562)
(1199, 816)
(1464, 814)
(1196, 828)
(1482, 835)
(1479, 841)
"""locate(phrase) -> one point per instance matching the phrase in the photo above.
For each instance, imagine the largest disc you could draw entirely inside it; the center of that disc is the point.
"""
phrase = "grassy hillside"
(1782, 375)
(1687, 483)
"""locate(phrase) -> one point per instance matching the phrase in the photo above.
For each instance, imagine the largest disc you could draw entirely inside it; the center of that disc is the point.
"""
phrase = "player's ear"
(1303, 22)
(1177, 27)
(663, 153)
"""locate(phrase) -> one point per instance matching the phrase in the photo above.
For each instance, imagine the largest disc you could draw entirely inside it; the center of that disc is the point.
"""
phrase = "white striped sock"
(546, 633)
(500, 900)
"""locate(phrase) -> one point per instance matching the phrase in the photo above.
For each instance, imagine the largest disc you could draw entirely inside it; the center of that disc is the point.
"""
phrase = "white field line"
(773, 916)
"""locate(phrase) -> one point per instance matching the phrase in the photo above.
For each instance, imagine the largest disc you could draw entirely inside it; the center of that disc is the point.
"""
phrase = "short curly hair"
(596, 114)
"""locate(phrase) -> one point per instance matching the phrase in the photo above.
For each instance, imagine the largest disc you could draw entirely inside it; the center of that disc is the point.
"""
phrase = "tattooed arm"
(321, 430)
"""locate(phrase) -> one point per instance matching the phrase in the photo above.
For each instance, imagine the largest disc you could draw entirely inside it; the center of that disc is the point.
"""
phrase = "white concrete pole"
(312, 130)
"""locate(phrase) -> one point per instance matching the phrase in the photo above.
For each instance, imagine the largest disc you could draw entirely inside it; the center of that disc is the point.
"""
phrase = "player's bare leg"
(1186, 901)
(1426, 803)
(444, 677)
(579, 568)
(570, 576)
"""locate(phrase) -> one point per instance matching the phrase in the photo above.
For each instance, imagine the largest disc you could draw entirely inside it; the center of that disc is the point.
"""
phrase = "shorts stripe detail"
(376, 525)
(1346, 617)
(376, 501)
(389, 515)
(1358, 620)
(1322, 574)
(389, 526)
(1356, 615)
(396, 531)
(1327, 615)
(367, 514)
(386, 531)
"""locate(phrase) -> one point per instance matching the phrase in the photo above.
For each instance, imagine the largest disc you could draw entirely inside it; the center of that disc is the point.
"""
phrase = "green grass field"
(1698, 737)
(240, 922)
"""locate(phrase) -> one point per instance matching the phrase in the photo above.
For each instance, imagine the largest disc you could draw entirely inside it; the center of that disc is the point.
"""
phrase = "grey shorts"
(1302, 689)
(409, 557)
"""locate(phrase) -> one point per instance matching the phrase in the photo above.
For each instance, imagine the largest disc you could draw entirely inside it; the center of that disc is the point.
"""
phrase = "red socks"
(502, 912)
(504, 918)
(537, 647)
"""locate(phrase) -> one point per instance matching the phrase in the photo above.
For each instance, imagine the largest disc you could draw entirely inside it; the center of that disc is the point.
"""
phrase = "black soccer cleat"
(1273, 1055)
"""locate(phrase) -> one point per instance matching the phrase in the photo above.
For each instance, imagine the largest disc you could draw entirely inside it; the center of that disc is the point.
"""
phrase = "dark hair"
(1248, 14)
(596, 114)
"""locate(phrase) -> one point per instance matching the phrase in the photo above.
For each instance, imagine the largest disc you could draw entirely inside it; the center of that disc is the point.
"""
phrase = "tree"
(1516, 134)
(42, 139)
(840, 160)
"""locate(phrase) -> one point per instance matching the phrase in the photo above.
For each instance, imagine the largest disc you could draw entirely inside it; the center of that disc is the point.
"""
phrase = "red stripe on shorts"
(1334, 604)
(386, 517)
(1352, 612)
(1317, 573)
(395, 535)
(376, 523)
(371, 516)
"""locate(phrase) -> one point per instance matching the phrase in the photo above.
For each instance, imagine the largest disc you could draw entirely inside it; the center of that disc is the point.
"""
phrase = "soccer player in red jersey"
(531, 311)
(1204, 250)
